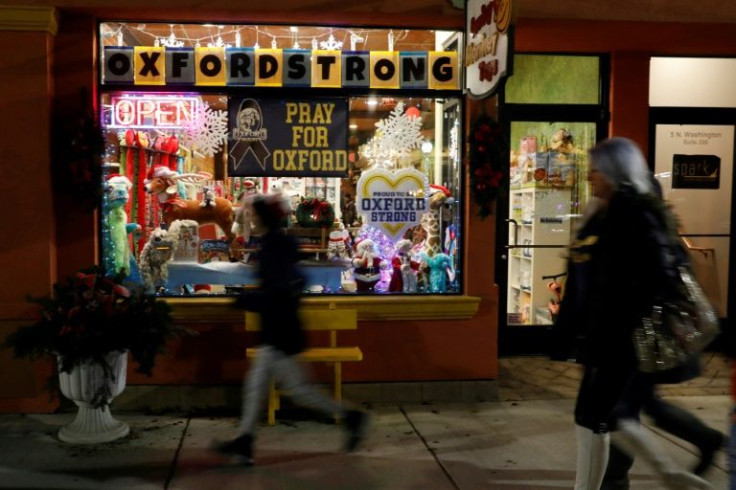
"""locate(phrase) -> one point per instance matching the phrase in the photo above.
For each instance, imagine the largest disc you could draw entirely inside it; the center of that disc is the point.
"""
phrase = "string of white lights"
(324, 40)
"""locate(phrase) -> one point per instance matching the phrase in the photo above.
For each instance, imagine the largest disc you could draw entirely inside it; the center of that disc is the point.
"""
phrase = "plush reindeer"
(162, 183)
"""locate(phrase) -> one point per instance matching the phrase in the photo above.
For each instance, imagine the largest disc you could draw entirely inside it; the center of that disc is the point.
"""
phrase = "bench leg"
(338, 382)
(273, 403)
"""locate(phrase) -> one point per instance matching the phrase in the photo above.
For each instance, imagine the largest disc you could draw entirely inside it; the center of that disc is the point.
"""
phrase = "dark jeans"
(600, 391)
(640, 395)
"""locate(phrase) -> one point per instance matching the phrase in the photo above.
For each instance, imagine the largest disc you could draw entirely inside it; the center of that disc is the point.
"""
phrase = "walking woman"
(281, 336)
(616, 268)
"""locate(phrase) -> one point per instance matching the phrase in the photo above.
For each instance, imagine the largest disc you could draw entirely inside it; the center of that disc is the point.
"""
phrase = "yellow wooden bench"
(325, 320)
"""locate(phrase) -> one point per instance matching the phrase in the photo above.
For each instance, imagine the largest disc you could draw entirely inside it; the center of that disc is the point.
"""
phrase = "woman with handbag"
(615, 274)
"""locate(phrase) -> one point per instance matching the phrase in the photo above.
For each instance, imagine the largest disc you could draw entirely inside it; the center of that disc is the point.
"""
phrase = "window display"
(373, 180)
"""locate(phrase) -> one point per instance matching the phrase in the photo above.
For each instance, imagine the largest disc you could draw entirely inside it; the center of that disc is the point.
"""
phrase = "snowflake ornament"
(207, 132)
(331, 44)
(396, 136)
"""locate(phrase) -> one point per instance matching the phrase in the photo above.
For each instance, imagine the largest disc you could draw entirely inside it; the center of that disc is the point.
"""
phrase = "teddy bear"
(367, 265)
(404, 277)
(338, 246)
(117, 189)
(154, 259)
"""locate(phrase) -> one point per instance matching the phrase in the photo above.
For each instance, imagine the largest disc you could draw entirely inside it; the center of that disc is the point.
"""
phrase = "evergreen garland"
(488, 162)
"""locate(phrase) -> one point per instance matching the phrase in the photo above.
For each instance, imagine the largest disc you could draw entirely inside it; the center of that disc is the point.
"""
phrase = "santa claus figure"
(367, 265)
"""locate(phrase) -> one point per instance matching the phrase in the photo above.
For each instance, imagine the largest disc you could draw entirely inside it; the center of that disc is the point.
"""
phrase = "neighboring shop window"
(554, 79)
(374, 180)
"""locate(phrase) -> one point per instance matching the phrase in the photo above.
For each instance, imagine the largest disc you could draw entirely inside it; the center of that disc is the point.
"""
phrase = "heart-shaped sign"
(393, 200)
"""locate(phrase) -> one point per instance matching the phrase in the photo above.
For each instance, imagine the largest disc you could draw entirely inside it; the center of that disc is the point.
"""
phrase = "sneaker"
(356, 423)
(707, 454)
(241, 449)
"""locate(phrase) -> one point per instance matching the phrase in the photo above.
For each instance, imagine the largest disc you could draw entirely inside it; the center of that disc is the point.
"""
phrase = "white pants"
(290, 375)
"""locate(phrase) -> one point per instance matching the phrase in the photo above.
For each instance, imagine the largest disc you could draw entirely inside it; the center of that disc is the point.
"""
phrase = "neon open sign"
(160, 112)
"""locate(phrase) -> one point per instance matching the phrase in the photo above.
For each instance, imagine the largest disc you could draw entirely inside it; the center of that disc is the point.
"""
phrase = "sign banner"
(288, 138)
(393, 201)
(488, 43)
(696, 171)
(219, 66)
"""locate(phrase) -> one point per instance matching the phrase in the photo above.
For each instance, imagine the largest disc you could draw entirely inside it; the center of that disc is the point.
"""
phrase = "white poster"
(694, 164)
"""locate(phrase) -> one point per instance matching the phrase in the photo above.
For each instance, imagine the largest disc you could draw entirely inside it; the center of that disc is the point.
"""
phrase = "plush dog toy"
(154, 258)
(118, 188)
(404, 277)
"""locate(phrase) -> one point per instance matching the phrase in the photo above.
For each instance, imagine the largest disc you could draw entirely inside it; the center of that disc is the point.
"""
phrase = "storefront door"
(554, 108)
(547, 194)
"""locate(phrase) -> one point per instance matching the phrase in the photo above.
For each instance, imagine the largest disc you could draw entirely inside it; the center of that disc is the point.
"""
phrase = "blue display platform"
(325, 274)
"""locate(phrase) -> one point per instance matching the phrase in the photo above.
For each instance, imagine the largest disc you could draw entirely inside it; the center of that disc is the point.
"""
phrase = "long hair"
(622, 162)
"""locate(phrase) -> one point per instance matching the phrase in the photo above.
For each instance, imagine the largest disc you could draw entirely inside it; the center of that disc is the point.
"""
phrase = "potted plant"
(90, 324)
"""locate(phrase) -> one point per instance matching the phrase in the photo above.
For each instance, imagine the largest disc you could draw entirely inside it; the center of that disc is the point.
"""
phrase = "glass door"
(555, 109)
(547, 193)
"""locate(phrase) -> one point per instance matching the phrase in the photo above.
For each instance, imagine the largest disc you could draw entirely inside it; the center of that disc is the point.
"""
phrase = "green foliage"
(314, 212)
(488, 162)
(92, 314)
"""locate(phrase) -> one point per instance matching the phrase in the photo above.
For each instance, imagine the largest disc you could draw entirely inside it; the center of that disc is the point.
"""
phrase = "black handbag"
(676, 328)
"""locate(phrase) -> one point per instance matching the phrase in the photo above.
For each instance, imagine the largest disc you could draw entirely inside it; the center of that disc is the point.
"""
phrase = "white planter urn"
(94, 424)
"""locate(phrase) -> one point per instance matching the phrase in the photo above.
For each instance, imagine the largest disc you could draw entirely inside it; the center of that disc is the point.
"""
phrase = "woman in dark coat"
(281, 335)
(615, 271)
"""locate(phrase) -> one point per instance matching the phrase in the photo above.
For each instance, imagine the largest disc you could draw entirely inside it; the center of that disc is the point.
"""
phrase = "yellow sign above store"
(213, 66)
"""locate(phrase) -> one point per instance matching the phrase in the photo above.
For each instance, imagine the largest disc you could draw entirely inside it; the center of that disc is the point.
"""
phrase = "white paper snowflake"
(396, 136)
(207, 132)
(331, 44)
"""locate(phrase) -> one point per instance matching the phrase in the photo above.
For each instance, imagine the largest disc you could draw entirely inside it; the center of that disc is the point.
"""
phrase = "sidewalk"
(505, 445)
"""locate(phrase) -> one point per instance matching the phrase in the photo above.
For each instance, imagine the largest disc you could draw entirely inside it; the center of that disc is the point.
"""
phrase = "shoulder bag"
(676, 328)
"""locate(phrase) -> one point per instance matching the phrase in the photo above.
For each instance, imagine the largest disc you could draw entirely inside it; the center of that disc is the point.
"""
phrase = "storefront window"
(372, 173)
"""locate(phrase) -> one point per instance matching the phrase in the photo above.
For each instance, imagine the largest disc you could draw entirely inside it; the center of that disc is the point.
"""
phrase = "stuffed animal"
(440, 266)
(338, 246)
(404, 277)
(154, 259)
(118, 188)
(208, 196)
(367, 265)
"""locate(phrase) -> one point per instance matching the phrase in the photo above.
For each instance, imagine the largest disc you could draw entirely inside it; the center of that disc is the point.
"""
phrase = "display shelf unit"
(540, 224)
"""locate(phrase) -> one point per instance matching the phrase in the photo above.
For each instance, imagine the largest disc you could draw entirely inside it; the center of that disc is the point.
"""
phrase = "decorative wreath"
(314, 212)
(487, 161)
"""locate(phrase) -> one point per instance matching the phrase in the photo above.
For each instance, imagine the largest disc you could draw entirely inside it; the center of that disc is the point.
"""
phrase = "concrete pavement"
(504, 445)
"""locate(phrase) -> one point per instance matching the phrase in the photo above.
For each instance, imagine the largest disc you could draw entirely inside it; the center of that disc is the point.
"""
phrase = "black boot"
(241, 448)
(617, 471)
(356, 423)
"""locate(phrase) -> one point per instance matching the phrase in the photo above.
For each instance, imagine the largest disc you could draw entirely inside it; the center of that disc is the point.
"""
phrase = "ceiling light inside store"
(371, 102)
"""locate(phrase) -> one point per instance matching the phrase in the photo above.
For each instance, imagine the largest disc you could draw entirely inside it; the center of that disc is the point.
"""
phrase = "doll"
(439, 267)
(154, 259)
(339, 245)
(118, 188)
(404, 277)
(368, 265)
